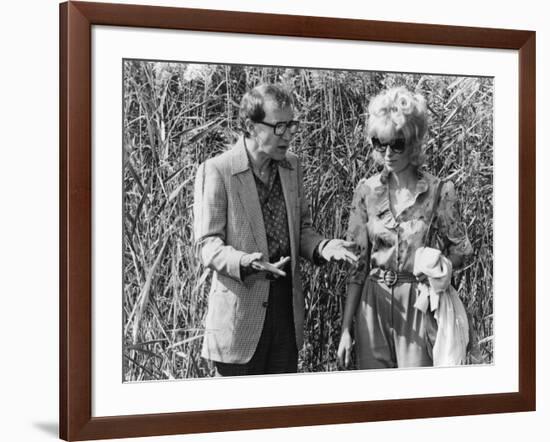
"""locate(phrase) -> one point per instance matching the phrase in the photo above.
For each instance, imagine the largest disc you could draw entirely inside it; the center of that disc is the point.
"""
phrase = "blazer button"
(264, 304)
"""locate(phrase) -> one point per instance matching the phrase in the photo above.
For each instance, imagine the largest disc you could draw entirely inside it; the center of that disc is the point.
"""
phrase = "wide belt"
(391, 277)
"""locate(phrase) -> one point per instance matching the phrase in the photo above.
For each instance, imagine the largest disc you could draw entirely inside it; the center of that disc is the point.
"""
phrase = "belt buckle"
(389, 277)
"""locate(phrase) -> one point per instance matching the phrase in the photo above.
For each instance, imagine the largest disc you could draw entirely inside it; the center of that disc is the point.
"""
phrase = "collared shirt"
(273, 206)
(393, 240)
(272, 203)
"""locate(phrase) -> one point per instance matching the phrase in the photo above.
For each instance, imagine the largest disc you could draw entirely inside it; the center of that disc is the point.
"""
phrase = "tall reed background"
(177, 115)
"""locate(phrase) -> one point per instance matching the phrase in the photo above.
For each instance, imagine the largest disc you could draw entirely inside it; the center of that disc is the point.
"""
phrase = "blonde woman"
(389, 220)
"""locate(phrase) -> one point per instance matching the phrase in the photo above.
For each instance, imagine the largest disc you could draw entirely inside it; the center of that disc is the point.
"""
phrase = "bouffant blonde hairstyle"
(398, 113)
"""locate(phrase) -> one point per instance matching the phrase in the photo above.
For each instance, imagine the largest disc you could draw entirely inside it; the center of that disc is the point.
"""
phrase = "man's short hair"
(252, 103)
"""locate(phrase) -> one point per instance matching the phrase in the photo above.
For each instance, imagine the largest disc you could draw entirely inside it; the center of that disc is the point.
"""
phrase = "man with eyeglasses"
(252, 223)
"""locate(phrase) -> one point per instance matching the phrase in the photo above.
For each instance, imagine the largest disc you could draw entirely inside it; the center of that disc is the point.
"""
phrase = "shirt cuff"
(317, 257)
(245, 272)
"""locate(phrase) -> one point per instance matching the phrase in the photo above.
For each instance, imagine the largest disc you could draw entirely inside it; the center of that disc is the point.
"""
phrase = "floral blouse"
(392, 240)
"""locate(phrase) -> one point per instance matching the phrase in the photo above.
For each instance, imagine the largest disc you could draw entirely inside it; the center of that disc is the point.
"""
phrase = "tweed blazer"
(228, 223)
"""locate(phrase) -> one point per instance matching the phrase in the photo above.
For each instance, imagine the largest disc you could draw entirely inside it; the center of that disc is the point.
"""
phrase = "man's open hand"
(256, 263)
(339, 250)
(275, 268)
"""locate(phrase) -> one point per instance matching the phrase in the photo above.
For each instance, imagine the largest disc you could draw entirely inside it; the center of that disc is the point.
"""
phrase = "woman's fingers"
(344, 350)
(341, 353)
(344, 357)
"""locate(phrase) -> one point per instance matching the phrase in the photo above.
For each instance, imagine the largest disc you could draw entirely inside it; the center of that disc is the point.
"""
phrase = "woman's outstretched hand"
(344, 349)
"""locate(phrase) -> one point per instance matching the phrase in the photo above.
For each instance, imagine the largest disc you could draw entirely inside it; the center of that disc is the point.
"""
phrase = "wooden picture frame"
(76, 21)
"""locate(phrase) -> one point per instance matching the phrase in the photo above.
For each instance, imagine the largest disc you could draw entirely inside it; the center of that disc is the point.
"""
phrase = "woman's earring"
(250, 129)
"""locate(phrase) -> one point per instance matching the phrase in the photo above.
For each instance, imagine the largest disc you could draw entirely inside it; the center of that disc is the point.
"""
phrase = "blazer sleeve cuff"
(234, 267)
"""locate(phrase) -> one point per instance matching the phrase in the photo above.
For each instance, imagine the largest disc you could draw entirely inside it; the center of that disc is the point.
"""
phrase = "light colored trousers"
(389, 331)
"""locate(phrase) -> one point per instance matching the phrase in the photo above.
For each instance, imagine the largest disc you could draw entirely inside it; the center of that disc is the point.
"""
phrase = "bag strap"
(437, 197)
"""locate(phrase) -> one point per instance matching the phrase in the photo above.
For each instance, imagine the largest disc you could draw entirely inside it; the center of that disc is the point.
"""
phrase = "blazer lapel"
(248, 195)
(251, 204)
(290, 193)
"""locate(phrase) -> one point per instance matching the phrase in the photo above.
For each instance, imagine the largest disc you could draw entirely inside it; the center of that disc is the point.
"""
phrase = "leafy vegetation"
(177, 115)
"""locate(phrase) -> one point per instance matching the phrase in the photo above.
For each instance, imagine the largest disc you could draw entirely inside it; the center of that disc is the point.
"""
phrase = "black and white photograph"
(237, 221)
(282, 220)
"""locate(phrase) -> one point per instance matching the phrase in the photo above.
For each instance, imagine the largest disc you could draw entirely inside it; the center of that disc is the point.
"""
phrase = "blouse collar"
(384, 209)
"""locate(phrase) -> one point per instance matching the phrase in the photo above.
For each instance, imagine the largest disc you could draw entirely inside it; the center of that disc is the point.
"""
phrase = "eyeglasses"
(397, 145)
(281, 127)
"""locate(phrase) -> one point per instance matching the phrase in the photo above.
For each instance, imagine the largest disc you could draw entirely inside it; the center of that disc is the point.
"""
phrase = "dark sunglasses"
(397, 145)
(281, 127)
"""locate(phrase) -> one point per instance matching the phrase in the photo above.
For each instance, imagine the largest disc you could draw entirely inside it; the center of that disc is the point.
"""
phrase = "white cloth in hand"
(452, 322)
(452, 336)
(438, 269)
